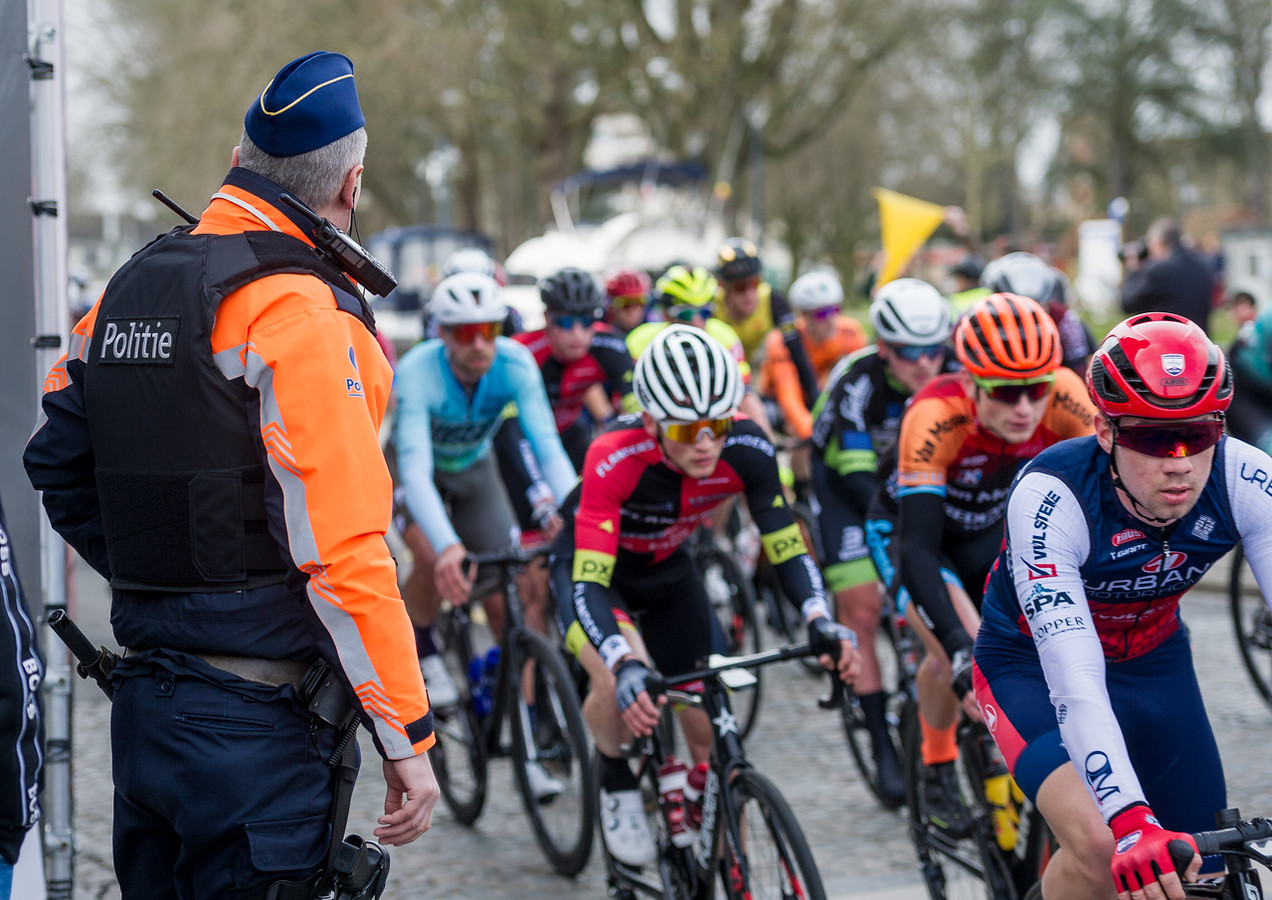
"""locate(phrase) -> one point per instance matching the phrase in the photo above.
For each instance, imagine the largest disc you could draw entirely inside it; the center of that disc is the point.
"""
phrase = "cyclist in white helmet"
(855, 424)
(451, 392)
(647, 484)
(826, 335)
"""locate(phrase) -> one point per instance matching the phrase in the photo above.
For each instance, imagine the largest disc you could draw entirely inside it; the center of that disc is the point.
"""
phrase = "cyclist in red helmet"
(1082, 669)
(628, 293)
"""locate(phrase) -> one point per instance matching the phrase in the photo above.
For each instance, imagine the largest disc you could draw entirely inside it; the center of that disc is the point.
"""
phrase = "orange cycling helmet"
(1008, 336)
(1159, 366)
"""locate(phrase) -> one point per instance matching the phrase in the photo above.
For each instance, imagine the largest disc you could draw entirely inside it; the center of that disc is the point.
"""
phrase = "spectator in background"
(1243, 307)
(967, 283)
(1173, 279)
(21, 756)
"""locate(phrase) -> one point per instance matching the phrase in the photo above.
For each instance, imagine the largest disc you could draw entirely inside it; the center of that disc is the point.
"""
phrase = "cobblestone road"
(861, 850)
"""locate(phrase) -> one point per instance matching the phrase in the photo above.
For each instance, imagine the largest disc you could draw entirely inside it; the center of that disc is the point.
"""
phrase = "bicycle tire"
(733, 603)
(564, 824)
(785, 867)
(459, 754)
(1252, 625)
(857, 731)
(951, 869)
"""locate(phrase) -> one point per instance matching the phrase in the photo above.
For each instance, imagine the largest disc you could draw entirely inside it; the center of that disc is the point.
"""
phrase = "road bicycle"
(1009, 844)
(549, 733)
(749, 835)
(1239, 841)
(1252, 622)
(733, 602)
(899, 653)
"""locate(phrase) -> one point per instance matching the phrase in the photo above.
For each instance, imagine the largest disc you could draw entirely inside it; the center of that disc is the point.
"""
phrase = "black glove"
(961, 663)
(629, 682)
(824, 636)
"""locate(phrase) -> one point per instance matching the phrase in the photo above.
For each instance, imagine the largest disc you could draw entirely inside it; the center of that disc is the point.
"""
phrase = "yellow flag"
(906, 222)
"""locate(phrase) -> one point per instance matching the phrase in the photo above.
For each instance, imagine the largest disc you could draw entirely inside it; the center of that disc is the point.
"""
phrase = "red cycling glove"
(1140, 852)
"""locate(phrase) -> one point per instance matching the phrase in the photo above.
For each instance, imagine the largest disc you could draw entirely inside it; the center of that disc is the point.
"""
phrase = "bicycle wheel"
(1253, 624)
(854, 718)
(734, 604)
(773, 860)
(952, 869)
(459, 754)
(553, 739)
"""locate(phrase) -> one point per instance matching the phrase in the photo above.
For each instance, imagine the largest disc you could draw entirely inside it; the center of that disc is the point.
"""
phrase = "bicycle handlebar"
(657, 684)
(514, 556)
(1235, 839)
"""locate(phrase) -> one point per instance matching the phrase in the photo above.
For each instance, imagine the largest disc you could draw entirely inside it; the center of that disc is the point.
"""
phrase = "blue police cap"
(311, 102)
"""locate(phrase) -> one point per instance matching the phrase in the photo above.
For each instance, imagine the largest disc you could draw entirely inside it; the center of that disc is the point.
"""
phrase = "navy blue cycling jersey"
(1089, 585)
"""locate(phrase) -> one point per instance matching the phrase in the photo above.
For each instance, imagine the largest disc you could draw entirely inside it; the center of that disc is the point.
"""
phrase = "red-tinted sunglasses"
(1169, 439)
(1010, 391)
(470, 331)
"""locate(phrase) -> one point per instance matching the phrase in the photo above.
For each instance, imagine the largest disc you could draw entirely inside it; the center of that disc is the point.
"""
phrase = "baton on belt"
(94, 662)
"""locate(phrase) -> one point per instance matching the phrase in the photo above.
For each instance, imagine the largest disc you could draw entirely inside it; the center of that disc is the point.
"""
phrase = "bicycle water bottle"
(481, 675)
(998, 793)
(672, 778)
(695, 782)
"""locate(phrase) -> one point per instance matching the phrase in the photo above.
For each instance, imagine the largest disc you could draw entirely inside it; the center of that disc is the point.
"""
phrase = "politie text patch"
(138, 341)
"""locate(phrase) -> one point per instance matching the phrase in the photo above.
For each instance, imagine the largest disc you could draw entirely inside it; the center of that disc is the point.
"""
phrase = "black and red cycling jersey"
(632, 511)
(607, 363)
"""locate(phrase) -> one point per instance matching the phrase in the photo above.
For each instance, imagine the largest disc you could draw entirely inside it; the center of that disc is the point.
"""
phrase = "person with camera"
(209, 445)
(1163, 275)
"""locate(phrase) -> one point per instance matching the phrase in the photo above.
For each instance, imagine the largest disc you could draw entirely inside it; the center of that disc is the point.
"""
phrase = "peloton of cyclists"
(1082, 666)
(647, 484)
(855, 424)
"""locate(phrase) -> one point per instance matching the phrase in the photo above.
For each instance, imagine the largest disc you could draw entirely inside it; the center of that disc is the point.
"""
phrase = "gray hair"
(315, 177)
(1166, 230)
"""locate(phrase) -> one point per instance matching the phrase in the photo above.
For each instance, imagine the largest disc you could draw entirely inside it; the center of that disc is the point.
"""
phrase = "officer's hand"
(408, 803)
(836, 647)
(453, 582)
(637, 708)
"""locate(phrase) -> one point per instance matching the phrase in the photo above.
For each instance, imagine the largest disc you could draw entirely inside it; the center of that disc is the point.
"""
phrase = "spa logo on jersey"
(1042, 599)
(1164, 562)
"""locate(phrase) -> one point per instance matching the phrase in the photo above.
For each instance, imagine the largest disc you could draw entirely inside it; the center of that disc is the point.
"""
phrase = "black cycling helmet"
(573, 292)
(1025, 275)
(739, 259)
(970, 267)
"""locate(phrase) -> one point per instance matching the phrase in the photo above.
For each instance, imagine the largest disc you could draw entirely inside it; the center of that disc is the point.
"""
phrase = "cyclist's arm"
(414, 442)
(520, 467)
(784, 319)
(1047, 529)
(596, 527)
(783, 381)
(779, 534)
(611, 352)
(1249, 473)
(537, 421)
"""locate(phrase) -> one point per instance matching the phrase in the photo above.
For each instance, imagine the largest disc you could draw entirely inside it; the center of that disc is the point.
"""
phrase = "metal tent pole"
(46, 59)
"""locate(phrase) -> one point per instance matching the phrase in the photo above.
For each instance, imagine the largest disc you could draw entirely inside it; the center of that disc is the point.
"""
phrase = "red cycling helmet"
(1159, 366)
(628, 283)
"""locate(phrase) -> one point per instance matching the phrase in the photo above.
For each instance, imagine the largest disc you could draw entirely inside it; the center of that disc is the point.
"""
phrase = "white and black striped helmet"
(686, 375)
(467, 298)
(910, 312)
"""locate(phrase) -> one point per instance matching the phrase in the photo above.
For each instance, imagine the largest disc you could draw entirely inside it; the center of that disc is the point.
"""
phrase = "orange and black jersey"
(631, 511)
(952, 480)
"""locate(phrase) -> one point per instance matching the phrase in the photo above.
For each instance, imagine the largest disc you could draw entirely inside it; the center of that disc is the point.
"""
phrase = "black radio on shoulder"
(347, 253)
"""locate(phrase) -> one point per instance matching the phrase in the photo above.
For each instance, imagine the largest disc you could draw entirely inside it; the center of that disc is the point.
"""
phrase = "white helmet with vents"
(816, 290)
(467, 298)
(686, 375)
(910, 312)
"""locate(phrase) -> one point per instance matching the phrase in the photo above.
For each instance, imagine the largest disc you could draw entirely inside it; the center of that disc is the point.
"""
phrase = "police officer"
(210, 446)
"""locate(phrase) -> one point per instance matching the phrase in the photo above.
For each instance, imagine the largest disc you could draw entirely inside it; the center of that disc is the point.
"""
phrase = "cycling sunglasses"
(744, 284)
(626, 300)
(824, 313)
(470, 331)
(914, 352)
(566, 323)
(1169, 439)
(689, 313)
(689, 432)
(1010, 390)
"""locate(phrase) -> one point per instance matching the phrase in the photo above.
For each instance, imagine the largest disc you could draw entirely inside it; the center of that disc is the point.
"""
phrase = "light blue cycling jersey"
(441, 425)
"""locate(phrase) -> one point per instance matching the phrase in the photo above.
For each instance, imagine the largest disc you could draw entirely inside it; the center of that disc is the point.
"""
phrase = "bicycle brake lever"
(836, 698)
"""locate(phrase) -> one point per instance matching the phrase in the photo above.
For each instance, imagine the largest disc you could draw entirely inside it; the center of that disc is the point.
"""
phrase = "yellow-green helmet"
(682, 286)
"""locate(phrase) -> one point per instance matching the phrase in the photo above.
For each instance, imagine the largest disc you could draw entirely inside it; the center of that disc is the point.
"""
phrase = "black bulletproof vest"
(177, 445)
